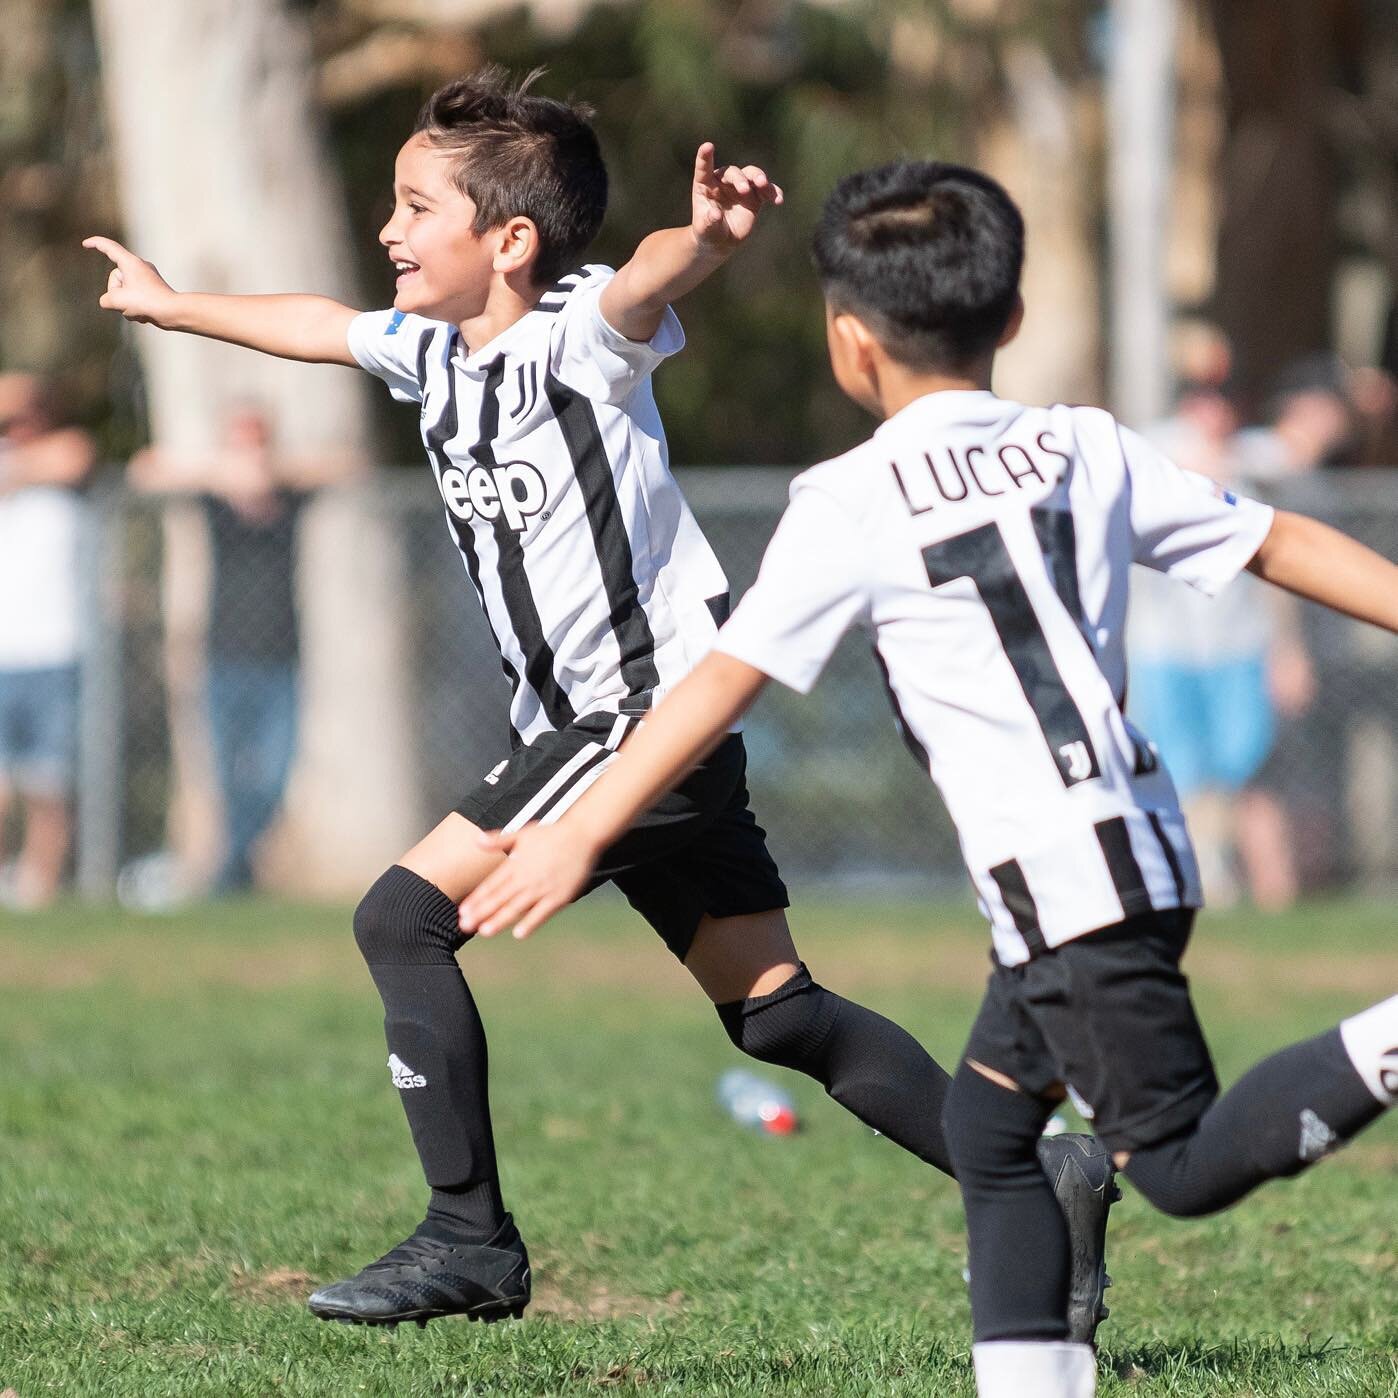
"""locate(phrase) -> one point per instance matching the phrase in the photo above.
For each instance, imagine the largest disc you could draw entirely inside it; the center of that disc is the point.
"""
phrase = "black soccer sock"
(869, 1065)
(469, 1211)
(407, 930)
(1281, 1116)
(1019, 1248)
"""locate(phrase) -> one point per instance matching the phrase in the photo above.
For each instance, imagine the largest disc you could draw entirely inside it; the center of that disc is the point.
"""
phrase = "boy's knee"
(405, 919)
(992, 1132)
(785, 1028)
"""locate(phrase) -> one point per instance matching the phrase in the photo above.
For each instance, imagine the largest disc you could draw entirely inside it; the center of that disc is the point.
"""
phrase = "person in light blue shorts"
(1206, 676)
(40, 464)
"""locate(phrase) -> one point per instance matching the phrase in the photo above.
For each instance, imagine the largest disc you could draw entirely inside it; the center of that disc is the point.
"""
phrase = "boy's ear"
(1012, 325)
(516, 245)
(855, 339)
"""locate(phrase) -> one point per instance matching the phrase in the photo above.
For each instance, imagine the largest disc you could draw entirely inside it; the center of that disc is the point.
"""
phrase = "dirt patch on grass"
(270, 1287)
(598, 1302)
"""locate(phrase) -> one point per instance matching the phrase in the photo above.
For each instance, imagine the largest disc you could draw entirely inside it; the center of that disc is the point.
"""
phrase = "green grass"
(196, 1125)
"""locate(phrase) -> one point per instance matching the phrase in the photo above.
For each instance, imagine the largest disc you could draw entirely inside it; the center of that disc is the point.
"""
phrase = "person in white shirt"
(983, 546)
(541, 429)
(41, 465)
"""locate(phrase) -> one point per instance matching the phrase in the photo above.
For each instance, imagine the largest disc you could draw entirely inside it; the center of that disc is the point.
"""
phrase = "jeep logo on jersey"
(514, 489)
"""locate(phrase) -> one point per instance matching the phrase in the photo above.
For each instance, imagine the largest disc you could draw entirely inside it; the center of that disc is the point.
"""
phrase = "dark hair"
(928, 255)
(517, 154)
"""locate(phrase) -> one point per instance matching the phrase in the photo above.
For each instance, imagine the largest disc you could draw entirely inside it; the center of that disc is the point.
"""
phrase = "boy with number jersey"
(984, 546)
(538, 419)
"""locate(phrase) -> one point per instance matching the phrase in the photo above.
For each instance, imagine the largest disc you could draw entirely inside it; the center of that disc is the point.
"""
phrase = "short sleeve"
(600, 362)
(1186, 525)
(811, 589)
(393, 346)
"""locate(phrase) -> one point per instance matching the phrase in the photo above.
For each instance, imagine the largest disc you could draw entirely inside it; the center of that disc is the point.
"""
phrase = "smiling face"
(445, 270)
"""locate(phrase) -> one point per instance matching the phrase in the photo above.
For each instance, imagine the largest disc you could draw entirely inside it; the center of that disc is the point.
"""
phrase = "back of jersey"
(985, 547)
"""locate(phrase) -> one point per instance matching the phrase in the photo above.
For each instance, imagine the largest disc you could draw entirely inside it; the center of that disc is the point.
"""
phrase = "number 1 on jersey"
(982, 555)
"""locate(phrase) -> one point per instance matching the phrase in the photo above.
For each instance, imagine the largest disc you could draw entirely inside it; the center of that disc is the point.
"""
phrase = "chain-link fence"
(190, 713)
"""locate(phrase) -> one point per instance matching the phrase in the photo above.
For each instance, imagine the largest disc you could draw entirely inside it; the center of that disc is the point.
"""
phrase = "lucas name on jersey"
(944, 478)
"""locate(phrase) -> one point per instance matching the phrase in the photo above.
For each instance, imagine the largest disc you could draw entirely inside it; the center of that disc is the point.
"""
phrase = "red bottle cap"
(778, 1121)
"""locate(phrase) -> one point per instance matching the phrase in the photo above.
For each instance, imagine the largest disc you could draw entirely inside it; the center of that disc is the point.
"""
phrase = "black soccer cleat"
(1080, 1169)
(427, 1276)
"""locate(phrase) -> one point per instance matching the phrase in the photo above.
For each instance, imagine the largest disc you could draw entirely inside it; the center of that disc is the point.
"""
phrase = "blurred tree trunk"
(226, 186)
(1038, 150)
(52, 182)
(1277, 236)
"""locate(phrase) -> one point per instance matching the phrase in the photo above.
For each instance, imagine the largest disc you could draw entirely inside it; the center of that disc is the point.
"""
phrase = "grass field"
(196, 1126)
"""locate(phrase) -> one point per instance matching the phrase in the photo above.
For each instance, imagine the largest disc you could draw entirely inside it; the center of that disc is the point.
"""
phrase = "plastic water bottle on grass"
(756, 1102)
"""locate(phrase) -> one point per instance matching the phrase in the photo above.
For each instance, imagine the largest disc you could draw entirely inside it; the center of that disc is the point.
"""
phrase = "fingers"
(704, 171)
(507, 912)
(502, 840)
(483, 909)
(535, 918)
(751, 183)
(109, 247)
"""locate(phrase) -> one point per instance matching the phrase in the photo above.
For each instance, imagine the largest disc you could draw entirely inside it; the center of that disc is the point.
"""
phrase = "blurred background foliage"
(1304, 98)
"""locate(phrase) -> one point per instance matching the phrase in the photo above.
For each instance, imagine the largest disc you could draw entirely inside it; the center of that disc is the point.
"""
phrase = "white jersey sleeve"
(598, 361)
(393, 346)
(811, 589)
(1186, 525)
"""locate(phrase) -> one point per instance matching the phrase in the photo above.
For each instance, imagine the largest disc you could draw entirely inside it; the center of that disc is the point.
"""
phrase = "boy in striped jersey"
(602, 594)
(984, 547)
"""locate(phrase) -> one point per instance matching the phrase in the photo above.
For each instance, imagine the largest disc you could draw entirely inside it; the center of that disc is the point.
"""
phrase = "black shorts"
(698, 850)
(1109, 1015)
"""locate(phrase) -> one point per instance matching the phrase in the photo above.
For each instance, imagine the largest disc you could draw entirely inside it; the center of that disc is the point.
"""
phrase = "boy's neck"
(509, 301)
(898, 385)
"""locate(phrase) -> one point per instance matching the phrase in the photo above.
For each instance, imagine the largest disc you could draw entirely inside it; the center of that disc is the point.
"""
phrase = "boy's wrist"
(711, 252)
(171, 311)
(583, 835)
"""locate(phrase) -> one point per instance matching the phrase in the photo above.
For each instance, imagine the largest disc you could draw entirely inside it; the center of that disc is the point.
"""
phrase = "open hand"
(548, 867)
(727, 199)
(134, 287)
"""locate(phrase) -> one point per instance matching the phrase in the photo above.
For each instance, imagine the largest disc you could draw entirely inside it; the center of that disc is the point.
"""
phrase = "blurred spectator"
(41, 464)
(252, 500)
(1311, 423)
(1374, 394)
(1208, 676)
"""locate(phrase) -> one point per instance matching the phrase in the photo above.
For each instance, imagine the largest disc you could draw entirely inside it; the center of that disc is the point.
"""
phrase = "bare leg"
(1263, 833)
(450, 857)
(46, 834)
(734, 958)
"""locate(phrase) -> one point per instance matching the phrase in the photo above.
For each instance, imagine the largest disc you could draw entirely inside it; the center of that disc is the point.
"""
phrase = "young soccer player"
(542, 432)
(984, 547)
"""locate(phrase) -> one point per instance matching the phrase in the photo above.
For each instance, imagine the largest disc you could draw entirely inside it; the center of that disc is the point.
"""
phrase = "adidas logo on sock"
(1316, 1137)
(403, 1076)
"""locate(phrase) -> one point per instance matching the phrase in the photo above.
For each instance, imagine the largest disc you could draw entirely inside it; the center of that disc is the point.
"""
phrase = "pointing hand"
(134, 287)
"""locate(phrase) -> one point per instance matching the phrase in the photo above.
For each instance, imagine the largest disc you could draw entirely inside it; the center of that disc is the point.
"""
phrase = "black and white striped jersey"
(985, 548)
(599, 587)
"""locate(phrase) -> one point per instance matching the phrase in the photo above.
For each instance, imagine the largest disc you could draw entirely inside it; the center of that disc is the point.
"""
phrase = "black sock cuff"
(404, 919)
(777, 1028)
(735, 1009)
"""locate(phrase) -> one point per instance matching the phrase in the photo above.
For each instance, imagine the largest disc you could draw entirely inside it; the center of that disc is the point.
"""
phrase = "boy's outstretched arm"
(310, 328)
(1315, 561)
(549, 865)
(674, 261)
